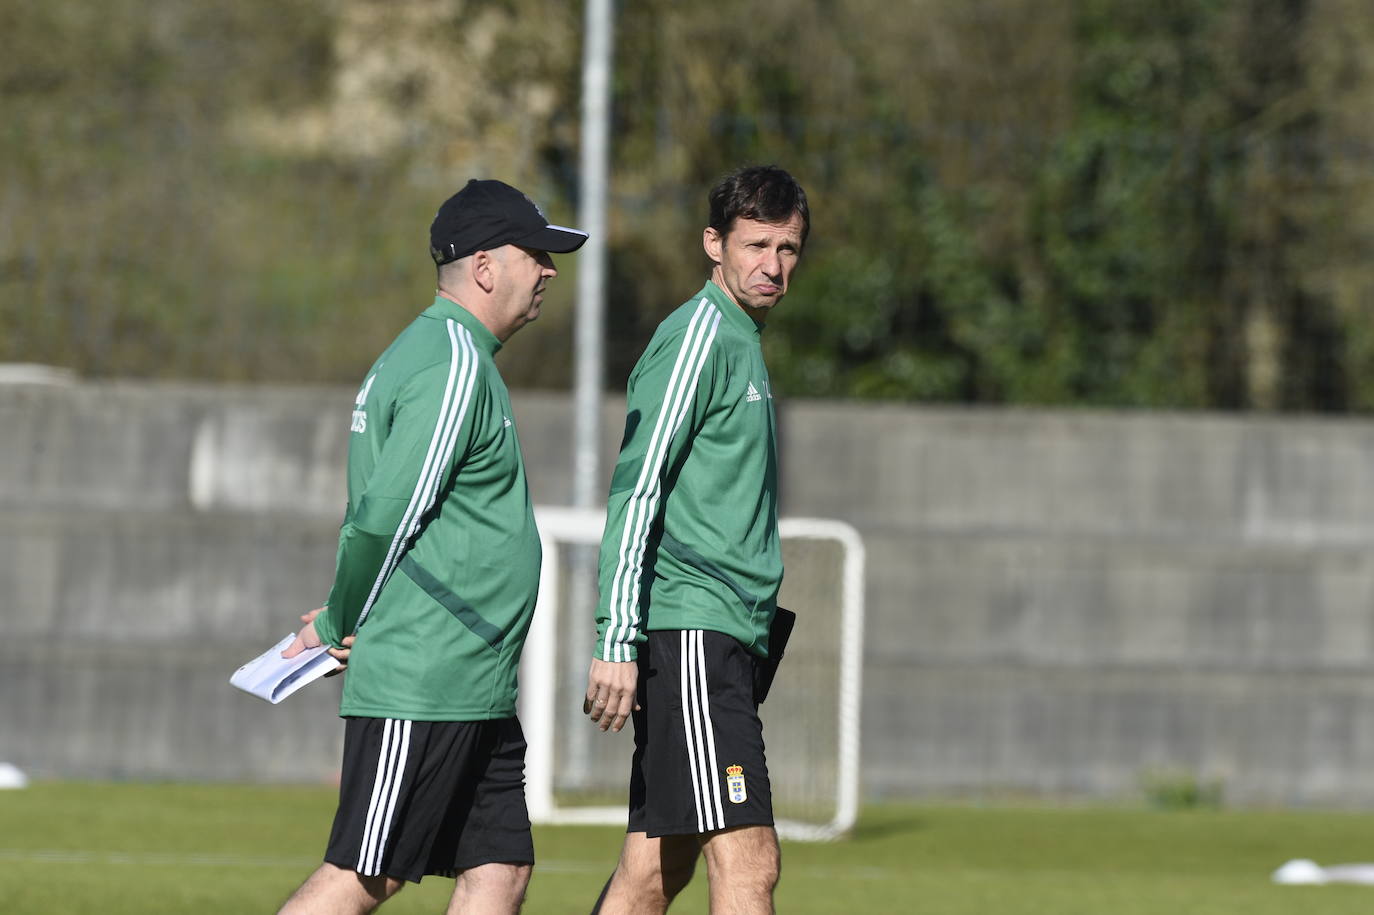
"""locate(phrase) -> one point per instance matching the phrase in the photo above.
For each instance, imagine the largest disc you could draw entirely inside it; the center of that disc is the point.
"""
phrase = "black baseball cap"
(488, 214)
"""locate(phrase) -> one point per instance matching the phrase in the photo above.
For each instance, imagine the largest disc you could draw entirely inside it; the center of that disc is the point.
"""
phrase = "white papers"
(270, 676)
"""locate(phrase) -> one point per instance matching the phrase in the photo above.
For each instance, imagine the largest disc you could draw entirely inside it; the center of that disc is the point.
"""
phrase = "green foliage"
(1181, 789)
(1124, 230)
(1100, 202)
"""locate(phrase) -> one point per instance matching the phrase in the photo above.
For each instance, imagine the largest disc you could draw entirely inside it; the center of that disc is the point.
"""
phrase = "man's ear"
(711, 241)
(483, 267)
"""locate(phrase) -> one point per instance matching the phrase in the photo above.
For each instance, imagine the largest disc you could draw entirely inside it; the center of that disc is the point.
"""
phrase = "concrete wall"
(1059, 602)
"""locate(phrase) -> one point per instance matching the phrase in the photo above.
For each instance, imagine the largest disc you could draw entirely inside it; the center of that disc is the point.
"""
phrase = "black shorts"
(698, 763)
(430, 797)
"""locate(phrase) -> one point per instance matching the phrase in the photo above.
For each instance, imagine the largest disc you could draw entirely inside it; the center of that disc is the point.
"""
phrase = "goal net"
(577, 774)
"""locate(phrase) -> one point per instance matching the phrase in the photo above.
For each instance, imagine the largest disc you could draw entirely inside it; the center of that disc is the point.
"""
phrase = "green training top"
(691, 539)
(438, 563)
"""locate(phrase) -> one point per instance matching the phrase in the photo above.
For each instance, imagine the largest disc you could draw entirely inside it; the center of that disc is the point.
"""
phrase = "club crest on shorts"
(734, 784)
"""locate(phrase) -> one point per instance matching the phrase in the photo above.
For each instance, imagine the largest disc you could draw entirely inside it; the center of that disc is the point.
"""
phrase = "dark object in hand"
(765, 669)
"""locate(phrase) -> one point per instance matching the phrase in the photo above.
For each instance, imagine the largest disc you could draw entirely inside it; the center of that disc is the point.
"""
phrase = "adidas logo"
(359, 414)
(507, 421)
(752, 394)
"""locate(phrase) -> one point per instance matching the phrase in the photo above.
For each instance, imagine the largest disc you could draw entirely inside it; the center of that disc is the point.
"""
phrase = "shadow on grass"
(872, 829)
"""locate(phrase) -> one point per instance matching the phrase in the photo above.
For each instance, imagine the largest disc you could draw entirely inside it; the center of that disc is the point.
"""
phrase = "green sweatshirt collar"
(735, 315)
(447, 308)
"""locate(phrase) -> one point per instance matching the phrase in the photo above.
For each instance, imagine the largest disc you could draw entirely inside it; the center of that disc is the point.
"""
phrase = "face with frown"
(754, 261)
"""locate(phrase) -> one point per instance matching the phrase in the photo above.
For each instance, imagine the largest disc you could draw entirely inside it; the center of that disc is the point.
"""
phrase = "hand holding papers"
(270, 676)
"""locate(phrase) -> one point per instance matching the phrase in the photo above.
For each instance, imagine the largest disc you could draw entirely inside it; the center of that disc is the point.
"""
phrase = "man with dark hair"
(436, 578)
(690, 569)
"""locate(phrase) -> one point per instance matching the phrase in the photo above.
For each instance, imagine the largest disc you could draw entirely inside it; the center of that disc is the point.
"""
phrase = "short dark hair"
(764, 193)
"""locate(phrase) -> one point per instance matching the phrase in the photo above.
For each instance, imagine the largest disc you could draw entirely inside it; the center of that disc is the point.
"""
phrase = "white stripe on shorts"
(699, 734)
(391, 766)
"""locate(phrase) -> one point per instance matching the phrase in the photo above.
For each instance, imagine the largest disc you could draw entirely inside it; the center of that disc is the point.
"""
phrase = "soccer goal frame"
(540, 703)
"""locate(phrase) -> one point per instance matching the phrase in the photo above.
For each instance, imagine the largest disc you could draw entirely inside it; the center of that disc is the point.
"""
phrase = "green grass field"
(153, 848)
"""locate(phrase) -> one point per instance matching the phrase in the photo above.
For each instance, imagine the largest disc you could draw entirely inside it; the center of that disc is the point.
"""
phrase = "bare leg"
(650, 874)
(333, 890)
(743, 865)
(490, 889)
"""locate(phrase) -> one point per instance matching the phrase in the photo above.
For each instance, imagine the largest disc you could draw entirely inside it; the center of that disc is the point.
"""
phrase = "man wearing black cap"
(436, 578)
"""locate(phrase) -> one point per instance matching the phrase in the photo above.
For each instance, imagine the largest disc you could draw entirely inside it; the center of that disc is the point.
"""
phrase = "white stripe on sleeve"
(458, 389)
(622, 626)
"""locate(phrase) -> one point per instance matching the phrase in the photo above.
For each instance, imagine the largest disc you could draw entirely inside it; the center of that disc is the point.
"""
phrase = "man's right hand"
(611, 693)
(309, 638)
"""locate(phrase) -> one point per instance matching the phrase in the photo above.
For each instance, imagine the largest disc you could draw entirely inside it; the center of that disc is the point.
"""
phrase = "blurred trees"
(243, 191)
(1105, 202)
